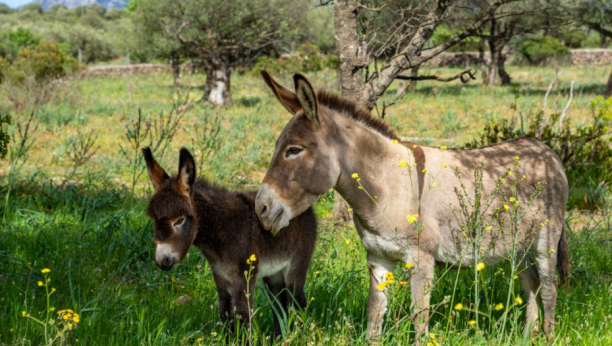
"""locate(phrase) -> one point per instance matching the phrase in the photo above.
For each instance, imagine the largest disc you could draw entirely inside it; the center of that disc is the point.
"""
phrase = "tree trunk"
(501, 61)
(175, 62)
(411, 85)
(483, 63)
(608, 92)
(350, 52)
(217, 90)
(466, 59)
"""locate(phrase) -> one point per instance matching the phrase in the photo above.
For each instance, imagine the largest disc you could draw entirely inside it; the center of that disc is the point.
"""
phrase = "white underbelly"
(272, 266)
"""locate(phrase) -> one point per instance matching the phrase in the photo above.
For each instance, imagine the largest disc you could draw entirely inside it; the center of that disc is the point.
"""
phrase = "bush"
(96, 45)
(11, 41)
(307, 58)
(538, 51)
(584, 150)
(45, 61)
(574, 39)
(5, 120)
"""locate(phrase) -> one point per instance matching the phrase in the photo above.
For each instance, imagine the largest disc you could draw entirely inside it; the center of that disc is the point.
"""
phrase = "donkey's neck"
(375, 159)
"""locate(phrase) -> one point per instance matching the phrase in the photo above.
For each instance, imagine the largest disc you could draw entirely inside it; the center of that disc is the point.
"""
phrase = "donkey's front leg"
(420, 284)
(377, 301)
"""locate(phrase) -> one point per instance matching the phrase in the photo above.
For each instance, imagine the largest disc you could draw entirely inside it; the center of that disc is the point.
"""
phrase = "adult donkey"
(329, 139)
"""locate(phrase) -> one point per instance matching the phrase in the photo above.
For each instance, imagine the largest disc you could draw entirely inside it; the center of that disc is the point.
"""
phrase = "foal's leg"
(225, 298)
(421, 282)
(276, 284)
(531, 284)
(377, 301)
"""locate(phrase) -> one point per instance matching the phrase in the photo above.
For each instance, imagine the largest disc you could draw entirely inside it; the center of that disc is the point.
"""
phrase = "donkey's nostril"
(264, 210)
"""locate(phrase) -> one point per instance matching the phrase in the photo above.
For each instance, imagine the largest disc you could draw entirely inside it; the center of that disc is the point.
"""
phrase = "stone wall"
(121, 70)
(591, 57)
(578, 57)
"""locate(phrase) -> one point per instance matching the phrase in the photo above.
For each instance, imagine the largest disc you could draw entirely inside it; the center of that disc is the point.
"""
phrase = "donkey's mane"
(355, 112)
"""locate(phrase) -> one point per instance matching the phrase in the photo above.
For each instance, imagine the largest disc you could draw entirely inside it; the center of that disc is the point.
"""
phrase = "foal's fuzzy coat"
(224, 226)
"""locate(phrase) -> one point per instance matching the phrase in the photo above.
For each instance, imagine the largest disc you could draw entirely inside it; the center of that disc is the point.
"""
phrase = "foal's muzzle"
(166, 264)
(165, 257)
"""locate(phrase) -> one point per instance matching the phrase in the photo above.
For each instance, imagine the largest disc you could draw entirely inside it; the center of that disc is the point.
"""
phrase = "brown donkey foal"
(224, 226)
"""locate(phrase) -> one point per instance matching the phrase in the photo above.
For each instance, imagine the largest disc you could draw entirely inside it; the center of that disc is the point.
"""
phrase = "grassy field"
(84, 219)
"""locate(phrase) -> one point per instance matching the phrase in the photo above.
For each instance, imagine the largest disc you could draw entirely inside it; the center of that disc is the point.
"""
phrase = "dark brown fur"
(224, 226)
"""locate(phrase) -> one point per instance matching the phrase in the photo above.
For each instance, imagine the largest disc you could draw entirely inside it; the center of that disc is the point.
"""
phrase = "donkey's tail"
(563, 266)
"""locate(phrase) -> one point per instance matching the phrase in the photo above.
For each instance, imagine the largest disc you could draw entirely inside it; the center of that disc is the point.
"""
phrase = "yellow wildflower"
(414, 146)
(412, 218)
(213, 333)
(66, 316)
(409, 265)
(23, 313)
(45, 271)
(524, 176)
(488, 228)
(434, 184)
(330, 190)
(502, 179)
(40, 283)
(471, 323)
(425, 170)
(516, 158)
(547, 221)
(349, 210)
(445, 165)
(499, 306)
(403, 282)
(511, 199)
(443, 147)
(389, 276)
(459, 307)
(402, 164)
(382, 285)
(506, 207)
(480, 266)
(395, 141)
(355, 175)
(414, 164)
(518, 300)
(252, 258)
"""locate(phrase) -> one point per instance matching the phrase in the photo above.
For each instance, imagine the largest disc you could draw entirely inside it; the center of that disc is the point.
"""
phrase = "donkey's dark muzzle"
(166, 264)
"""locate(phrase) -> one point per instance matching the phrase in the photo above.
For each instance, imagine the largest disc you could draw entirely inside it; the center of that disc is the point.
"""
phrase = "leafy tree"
(221, 34)
(597, 15)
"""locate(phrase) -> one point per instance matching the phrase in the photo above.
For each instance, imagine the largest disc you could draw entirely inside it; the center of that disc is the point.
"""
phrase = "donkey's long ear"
(307, 97)
(286, 97)
(187, 172)
(156, 172)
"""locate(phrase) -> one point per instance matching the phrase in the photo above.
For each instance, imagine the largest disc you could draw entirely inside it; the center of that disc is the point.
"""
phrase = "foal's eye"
(292, 151)
(179, 222)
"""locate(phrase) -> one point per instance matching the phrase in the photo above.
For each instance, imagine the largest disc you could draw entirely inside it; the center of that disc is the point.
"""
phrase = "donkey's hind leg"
(547, 265)
(528, 275)
(276, 285)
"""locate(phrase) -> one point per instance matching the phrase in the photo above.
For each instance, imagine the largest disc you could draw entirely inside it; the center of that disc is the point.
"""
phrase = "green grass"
(93, 234)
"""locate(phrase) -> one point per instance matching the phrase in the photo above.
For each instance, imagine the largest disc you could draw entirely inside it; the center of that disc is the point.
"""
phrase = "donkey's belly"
(269, 267)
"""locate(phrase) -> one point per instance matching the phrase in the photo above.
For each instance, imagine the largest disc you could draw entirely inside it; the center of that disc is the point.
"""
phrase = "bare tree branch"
(464, 76)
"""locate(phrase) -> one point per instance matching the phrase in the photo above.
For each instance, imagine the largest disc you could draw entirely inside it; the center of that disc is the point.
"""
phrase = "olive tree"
(222, 34)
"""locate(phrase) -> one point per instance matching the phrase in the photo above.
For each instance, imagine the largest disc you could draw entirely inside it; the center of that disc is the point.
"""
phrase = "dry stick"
(557, 75)
(566, 107)
(465, 77)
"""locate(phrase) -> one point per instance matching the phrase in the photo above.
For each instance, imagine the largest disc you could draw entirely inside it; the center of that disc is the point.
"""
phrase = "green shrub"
(5, 120)
(584, 150)
(11, 41)
(307, 58)
(574, 39)
(537, 51)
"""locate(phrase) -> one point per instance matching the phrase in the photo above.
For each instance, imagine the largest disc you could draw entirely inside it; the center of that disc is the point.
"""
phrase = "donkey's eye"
(179, 222)
(292, 151)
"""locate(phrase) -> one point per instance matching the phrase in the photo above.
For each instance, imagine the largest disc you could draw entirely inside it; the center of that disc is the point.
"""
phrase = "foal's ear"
(307, 97)
(187, 172)
(286, 97)
(156, 172)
